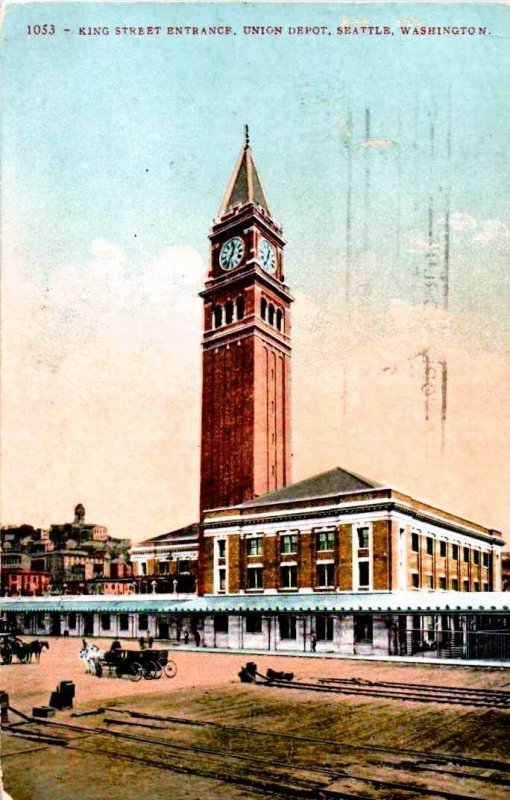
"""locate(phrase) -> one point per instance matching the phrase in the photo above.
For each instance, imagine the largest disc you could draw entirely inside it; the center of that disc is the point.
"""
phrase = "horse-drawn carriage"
(138, 664)
(11, 645)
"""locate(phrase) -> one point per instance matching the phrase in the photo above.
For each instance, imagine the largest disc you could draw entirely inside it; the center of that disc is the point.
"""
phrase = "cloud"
(493, 231)
(422, 244)
(377, 143)
(460, 223)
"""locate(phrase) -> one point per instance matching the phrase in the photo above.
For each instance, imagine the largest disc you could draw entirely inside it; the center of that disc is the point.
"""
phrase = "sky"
(385, 159)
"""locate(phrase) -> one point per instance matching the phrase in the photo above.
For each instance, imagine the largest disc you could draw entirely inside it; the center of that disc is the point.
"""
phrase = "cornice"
(236, 278)
(247, 214)
(223, 337)
(318, 513)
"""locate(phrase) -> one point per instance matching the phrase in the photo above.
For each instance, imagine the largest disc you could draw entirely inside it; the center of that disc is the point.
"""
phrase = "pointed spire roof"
(244, 185)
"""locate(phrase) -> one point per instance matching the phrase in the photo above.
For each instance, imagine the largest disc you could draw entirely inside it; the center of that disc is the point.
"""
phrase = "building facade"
(339, 532)
(167, 563)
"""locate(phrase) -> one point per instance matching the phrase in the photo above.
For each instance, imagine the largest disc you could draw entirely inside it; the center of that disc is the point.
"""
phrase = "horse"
(25, 650)
(35, 649)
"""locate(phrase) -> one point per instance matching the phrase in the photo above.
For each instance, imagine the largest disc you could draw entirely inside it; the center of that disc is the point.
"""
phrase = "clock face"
(267, 255)
(231, 253)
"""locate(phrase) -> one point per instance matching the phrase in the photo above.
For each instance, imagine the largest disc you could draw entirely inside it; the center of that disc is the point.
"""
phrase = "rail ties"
(300, 777)
(486, 698)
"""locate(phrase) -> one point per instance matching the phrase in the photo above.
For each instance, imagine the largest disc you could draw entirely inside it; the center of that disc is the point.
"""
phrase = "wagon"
(138, 664)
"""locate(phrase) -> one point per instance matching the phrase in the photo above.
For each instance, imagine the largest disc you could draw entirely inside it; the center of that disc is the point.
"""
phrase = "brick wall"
(381, 549)
(345, 571)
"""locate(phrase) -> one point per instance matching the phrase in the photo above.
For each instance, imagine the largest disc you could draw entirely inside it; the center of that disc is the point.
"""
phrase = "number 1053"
(41, 30)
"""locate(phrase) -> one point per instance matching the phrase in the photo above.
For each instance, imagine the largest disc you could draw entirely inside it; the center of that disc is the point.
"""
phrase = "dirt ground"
(206, 688)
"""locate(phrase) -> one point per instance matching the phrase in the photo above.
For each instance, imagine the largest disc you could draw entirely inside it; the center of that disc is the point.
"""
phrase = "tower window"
(217, 316)
(229, 312)
(271, 314)
(240, 308)
(279, 319)
(263, 308)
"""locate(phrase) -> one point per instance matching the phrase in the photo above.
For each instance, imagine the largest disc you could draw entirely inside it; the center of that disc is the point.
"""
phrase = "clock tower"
(246, 348)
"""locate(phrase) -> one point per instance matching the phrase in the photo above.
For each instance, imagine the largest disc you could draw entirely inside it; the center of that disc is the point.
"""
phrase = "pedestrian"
(178, 632)
(313, 641)
(186, 636)
(141, 642)
(197, 638)
(84, 644)
(150, 641)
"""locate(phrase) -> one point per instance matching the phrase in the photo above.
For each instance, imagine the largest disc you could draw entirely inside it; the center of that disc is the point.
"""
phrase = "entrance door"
(88, 624)
(55, 624)
(164, 630)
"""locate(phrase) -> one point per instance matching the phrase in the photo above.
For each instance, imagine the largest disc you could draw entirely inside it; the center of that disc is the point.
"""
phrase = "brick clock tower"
(246, 349)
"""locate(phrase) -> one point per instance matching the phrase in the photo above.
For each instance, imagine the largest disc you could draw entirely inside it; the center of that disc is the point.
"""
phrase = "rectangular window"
(415, 542)
(288, 577)
(429, 581)
(324, 628)
(254, 623)
(123, 622)
(222, 579)
(466, 554)
(325, 576)
(182, 566)
(430, 546)
(486, 587)
(415, 580)
(363, 630)
(288, 543)
(363, 538)
(71, 620)
(326, 540)
(254, 546)
(442, 549)
(221, 623)
(442, 582)
(143, 622)
(255, 579)
(163, 567)
(476, 586)
(222, 547)
(363, 575)
(455, 552)
(465, 586)
(455, 585)
(287, 626)
(105, 622)
(485, 559)
(476, 557)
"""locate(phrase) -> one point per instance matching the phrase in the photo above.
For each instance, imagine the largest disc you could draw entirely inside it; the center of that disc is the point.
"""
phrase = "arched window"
(271, 314)
(229, 312)
(279, 319)
(263, 308)
(240, 308)
(217, 316)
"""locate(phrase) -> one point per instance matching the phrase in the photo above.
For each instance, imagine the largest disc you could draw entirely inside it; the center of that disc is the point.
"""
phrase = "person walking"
(313, 641)
(197, 638)
(150, 641)
(141, 642)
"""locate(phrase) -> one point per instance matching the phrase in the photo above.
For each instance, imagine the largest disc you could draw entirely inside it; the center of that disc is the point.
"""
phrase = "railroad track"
(479, 698)
(494, 698)
(375, 773)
